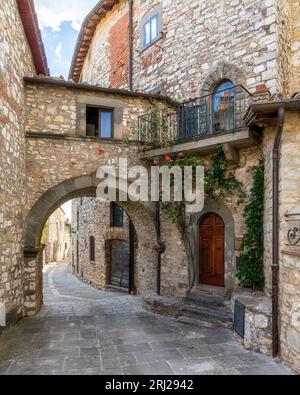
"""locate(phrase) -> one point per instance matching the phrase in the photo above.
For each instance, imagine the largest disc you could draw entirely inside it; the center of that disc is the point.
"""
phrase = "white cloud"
(58, 50)
(52, 13)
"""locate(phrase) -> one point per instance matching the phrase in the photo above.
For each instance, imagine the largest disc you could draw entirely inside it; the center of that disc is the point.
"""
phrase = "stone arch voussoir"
(219, 72)
(141, 214)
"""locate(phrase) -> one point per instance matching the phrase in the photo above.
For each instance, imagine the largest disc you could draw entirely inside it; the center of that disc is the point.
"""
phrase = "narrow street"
(83, 331)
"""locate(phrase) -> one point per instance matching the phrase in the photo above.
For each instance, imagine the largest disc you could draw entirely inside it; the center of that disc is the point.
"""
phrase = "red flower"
(168, 159)
(101, 151)
(206, 168)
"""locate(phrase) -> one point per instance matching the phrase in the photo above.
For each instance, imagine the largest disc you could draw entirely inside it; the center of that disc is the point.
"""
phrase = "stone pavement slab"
(83, 331)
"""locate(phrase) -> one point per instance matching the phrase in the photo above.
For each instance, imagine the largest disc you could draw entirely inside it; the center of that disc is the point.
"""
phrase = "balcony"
(199, 124)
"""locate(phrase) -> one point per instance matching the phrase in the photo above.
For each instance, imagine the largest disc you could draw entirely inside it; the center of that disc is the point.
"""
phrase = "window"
(99, 122)
(117, 215)
(151, 27)
(223, 106)
(92, 249)
(151, 32)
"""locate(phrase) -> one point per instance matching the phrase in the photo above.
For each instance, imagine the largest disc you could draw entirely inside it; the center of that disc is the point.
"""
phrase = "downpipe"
(275, 244)
(130, 46)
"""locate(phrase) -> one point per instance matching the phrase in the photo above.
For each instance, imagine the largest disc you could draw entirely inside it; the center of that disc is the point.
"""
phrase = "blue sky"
(60, 22)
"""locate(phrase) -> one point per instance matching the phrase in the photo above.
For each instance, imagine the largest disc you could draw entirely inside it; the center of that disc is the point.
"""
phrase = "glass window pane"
(223, 106)
(147, 33)
(118, 216)
(154, 28)
(106, 124)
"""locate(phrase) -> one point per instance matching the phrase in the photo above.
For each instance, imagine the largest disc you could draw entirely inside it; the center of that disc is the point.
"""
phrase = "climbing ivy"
(250, 269)
(218, 183)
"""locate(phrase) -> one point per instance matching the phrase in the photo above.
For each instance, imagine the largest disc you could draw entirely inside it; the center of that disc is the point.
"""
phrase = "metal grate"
(239, 318)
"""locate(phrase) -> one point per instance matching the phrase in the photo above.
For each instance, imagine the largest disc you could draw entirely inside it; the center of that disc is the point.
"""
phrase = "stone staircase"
(196, 309)
(206, 313)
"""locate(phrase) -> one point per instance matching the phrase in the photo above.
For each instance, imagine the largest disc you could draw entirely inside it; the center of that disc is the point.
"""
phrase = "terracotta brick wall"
(119, 52)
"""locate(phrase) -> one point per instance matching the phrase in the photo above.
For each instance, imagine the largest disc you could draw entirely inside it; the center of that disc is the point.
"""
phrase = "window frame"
(149, 22)
(101, 110)
(155, 13)
(217, 92)
(114, 223)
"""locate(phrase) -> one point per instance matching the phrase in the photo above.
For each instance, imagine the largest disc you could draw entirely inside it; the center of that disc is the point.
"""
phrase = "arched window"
(92, 249)
(223, 107)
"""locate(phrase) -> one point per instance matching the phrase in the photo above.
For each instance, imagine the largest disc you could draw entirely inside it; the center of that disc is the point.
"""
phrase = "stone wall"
(62, 111)
(107, 64)
(195, 38)
(295, 47)
(15, 62)
(290, 255)
(94, 220)
(56, 238)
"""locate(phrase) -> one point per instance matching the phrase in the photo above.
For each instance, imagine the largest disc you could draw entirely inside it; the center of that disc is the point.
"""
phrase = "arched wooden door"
(212, 246)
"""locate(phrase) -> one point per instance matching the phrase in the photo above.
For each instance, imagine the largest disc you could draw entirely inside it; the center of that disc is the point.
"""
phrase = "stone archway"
(219, 208)
(220, 72)
(142, 216)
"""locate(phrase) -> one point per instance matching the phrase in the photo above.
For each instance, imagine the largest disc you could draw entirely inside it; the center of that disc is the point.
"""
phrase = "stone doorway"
(211, 250)
(120, 264)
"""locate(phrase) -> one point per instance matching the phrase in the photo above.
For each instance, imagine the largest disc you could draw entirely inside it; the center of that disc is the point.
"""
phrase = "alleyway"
(83, 331)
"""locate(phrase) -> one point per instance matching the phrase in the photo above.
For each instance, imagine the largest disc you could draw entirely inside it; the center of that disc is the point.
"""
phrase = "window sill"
(144, 49)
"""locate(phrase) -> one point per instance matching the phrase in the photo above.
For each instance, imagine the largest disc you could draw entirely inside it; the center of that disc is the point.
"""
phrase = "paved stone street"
(83, 331)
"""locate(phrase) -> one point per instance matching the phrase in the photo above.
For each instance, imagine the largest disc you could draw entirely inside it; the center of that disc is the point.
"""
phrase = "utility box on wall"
(239, 319)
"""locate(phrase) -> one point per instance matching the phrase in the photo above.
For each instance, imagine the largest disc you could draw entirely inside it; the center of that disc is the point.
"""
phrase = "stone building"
(239, 60)
(100, 246)
(57, 238)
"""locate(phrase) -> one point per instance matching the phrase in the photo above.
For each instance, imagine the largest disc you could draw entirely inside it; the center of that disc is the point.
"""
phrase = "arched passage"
(142, 216)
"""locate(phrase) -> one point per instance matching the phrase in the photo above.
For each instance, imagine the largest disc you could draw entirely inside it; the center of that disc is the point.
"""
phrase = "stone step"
(214, 315)
(113, 288)
(192, 321)
(205, 299)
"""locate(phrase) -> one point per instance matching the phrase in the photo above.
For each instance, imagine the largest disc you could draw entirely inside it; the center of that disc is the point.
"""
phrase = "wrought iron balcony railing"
(220, 112)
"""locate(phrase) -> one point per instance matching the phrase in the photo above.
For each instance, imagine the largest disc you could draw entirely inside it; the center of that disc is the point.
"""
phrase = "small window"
(92, 249)
(117, 216)
(99, 122)
(151, 31)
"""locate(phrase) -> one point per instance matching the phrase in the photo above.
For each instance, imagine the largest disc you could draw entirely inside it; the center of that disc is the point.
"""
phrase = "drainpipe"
(158, 230)
(275, 247)
(130, 40)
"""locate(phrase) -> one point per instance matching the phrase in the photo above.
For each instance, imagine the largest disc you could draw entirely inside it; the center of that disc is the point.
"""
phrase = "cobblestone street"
(83, 331)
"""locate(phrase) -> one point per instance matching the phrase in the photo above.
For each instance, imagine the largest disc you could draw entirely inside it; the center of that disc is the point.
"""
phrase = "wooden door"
(120, 264)
(212, 246)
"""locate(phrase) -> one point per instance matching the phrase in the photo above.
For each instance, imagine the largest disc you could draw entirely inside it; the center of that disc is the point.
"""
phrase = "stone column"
(33, 280)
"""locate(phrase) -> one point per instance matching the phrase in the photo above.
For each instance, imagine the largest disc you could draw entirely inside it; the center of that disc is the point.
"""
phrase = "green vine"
(251, 268)
(217, 183)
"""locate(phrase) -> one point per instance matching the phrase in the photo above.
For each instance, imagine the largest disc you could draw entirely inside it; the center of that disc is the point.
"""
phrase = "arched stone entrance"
(142, 216)
(223, 212)
(211, 250)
